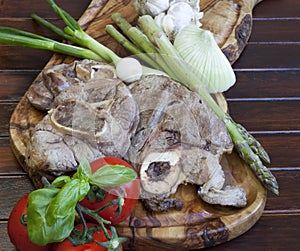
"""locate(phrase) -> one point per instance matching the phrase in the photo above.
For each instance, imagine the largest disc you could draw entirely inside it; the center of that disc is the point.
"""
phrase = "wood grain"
(287, 110)
(15, 84)
(195, 226)
(288, 193)
(265, 84)
(269, 56)
(8, 8)
(9, 164)
(5, 114)
(263, 30)
(281, 144)
(277, 9)
(265, 235)
(231, 30)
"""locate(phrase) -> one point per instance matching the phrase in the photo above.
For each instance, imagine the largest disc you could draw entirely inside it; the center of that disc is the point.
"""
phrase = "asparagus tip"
(271, 184)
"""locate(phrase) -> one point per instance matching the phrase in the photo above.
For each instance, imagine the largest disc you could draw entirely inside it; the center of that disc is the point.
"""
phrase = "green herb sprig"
(51, 210)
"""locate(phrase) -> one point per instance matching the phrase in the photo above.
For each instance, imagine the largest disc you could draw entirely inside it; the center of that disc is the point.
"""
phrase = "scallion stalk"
(74, 29)
(128, 45)
(140, 40)
(20, 38)
(54, 28)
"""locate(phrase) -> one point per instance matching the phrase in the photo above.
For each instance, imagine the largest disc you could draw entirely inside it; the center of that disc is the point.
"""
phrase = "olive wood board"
(198, 224)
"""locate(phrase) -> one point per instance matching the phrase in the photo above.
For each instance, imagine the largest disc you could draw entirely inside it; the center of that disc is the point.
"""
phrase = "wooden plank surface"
(278, 9)
(268, 79)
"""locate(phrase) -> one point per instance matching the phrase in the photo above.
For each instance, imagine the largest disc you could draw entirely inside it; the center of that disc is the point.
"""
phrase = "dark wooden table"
(266, 100)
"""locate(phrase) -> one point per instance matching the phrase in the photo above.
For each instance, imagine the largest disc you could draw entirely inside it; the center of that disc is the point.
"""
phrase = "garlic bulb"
(199, 49)
(151, 7)
(179, 15)
(171, 15)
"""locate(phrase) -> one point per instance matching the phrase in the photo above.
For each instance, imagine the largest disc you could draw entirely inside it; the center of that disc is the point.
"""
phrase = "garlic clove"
(171, 15)
(151, 7)
(199, 49)
(168, 25)
(180, 9)
(195, 4)
(182, 14)
(159, 18)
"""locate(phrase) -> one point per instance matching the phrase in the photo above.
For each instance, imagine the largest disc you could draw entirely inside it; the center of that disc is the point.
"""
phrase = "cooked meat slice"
(50, 151)
(227, 196)
(162, 172)
(179, 140)
(88, 120)
(211, 178)
(109, 116)
(60, 77)
(39, 96)
(71, 93)
(173, 107)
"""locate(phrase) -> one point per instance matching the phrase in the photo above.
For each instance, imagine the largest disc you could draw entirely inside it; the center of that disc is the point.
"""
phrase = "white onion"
(199, 49)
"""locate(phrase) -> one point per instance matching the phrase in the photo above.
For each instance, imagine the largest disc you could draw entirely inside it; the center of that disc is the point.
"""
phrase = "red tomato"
(131, 190)
(98, 236)
(17, 232)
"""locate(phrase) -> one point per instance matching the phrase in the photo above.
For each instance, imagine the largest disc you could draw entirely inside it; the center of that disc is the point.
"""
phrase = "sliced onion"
(199, 49)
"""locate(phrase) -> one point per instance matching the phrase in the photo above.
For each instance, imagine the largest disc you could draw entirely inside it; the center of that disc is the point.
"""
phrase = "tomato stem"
(96, 193)
(82, 220)
(46, 182)
(23, 219)
(113, 241)
(82, 237)
(81, 209)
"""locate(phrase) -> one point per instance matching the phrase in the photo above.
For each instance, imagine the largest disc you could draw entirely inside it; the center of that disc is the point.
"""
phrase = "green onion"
(73, 29)
(21, 38)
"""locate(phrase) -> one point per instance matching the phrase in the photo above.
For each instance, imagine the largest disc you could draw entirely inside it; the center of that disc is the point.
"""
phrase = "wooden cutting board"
(199, 224)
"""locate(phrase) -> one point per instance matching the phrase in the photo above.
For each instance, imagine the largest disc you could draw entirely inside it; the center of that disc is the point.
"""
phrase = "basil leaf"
(112, 175)
(61, 181)
(64, 203)
(84, 170)
(51, 211)
(37, 228)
